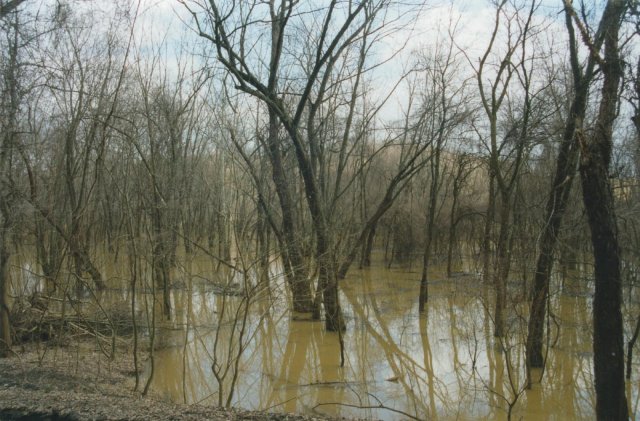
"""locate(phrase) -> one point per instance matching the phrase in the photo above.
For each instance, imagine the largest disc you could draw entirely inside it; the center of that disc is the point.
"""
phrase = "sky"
(165, 26)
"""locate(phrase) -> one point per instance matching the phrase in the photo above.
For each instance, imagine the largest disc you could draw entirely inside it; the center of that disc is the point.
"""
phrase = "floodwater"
(442, 364)
(398, 364)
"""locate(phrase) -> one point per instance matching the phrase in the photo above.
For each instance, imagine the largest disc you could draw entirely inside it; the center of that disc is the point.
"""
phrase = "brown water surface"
(443, 364)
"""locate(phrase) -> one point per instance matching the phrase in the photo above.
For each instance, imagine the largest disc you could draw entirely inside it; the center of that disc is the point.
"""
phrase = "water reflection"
(443, 364)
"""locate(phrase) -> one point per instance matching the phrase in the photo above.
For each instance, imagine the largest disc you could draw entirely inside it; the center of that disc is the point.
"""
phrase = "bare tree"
(582, 78)
(463, 168)
(506, 155)
(596, 147)
(341, 27)
(84, 79)
(443, 110)
(9, 126)
(19, 35)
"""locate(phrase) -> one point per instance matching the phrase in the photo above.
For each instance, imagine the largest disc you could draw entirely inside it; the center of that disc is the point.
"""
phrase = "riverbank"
(77, 383)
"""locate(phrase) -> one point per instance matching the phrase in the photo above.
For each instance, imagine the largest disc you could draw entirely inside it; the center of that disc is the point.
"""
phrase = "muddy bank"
(73, 384)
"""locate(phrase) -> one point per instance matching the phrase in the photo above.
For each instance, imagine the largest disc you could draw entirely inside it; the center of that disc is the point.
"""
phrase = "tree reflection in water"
(443, 364)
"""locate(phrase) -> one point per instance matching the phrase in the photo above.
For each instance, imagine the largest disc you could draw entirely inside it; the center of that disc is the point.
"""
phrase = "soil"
(78, 383)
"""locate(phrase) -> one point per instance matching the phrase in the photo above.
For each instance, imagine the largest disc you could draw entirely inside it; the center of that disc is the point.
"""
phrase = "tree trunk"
(556, 207)
(263, 246)
(452, 231)
(367, 248)
(294, 271)
(608, 346)
(327, 279)
(160, 260)
(434, 188)
(558, 199)
(503, 261)
(5, 323)
(488, 229)
(8, 129)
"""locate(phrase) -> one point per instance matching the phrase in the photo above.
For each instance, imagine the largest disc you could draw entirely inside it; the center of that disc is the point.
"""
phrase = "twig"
(406, 414)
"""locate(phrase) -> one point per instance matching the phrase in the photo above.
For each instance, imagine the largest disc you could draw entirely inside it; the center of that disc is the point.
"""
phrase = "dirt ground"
(71, 383)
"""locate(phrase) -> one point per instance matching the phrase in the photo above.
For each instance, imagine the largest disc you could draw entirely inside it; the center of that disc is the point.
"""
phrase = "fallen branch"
(380, 406)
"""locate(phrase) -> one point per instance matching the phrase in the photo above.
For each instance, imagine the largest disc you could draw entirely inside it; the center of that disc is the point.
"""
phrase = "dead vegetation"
(78, 382)
(44, 319)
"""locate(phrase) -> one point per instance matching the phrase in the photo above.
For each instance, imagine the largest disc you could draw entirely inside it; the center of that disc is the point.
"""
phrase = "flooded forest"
(372, 209)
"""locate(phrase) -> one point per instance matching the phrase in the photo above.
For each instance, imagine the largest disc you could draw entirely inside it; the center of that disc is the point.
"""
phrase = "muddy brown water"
(399, 364)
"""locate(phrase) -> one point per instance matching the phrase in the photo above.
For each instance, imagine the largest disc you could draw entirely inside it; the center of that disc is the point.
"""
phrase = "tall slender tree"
(595, 160)
(566, 166)
(11, 87)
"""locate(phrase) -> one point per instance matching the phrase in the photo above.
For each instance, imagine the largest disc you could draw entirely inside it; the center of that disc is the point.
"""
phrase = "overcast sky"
(470, 21)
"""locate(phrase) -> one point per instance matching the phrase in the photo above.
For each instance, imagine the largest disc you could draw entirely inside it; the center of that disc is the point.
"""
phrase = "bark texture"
(608, 347)
(557, 202)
